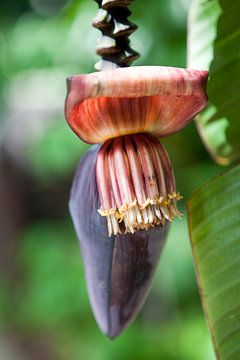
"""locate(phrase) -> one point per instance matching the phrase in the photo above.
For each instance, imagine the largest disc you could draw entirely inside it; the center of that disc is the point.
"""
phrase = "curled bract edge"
(151, 99)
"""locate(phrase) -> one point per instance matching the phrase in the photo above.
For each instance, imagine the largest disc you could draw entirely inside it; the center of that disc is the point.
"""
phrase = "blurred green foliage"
(49, 299)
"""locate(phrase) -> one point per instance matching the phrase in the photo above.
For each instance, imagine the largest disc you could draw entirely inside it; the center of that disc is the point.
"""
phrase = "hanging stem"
(113, 47)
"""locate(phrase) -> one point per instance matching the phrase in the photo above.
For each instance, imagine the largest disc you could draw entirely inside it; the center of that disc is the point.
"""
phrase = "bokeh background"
(44, 309)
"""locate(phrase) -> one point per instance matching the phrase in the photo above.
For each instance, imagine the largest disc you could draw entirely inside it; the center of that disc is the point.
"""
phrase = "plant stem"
(114, 45)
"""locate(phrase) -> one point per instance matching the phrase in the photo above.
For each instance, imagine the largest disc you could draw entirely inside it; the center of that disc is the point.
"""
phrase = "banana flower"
(124, 196)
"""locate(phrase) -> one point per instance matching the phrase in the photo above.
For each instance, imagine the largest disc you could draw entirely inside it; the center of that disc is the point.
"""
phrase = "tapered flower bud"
(119, 269)
(145, 99)
(136, 184)
(124, 194)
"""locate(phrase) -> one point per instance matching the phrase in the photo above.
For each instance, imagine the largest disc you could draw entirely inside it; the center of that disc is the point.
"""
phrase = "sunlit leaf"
(218, 124)
(215, 234)
(202, 23)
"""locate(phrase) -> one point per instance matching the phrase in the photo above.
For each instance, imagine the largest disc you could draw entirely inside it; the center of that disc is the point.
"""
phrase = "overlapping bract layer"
(128, 180)
(119, 269)
(136, 184)
(152, 99)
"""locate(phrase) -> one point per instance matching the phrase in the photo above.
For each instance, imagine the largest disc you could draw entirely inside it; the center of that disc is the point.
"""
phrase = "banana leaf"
(214, 225)
(214, 44)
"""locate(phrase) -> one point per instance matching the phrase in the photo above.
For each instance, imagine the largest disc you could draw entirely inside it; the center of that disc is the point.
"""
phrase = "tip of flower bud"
(136, 184)
(119, 269)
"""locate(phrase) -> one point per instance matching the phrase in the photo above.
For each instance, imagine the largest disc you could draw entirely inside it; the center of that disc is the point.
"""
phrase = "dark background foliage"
(44, 310)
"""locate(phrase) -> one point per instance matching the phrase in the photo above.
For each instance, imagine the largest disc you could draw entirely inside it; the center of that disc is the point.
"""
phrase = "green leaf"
(202, 31)
(218, 124)
(215, 234)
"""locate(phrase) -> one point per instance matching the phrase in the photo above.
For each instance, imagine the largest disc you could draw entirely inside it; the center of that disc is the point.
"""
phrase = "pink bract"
(152, 99)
